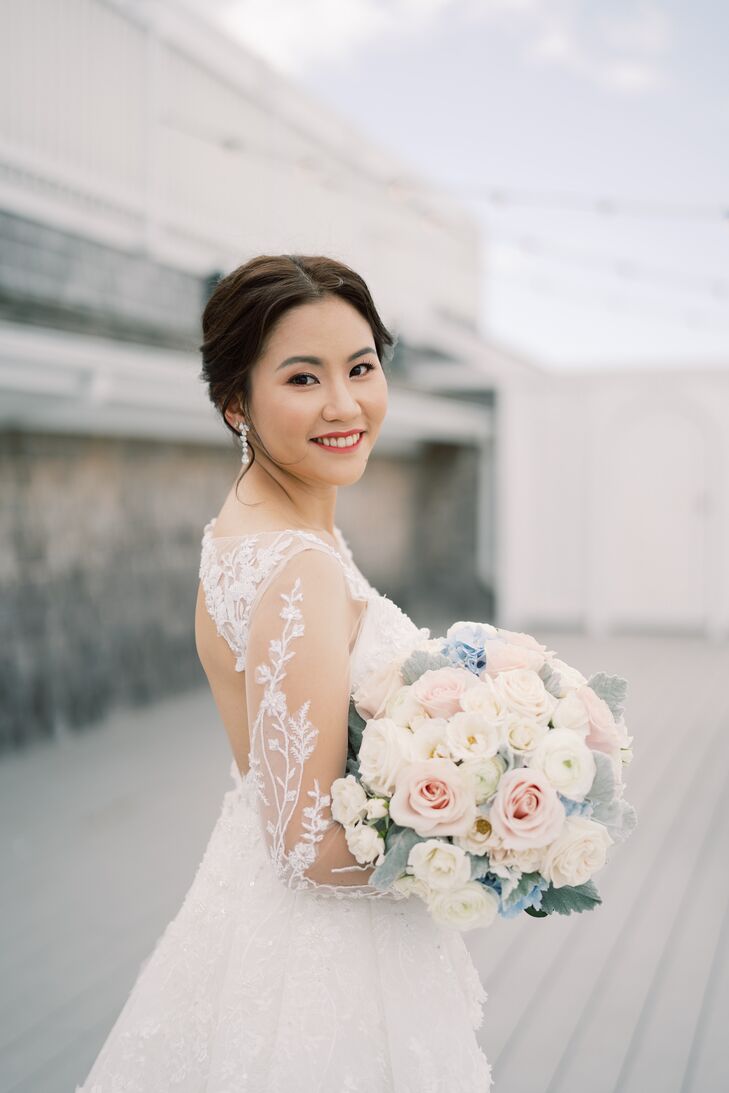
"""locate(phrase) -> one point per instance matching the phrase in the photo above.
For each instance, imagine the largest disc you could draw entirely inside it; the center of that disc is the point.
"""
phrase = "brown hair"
(246, 304)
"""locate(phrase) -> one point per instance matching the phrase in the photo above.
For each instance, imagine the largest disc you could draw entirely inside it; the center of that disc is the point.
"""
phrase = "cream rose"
(349, 800)
(439, 690)
(402, 707)
(373, 693)
(570, 713)
(578, 852)
(570, 678)
(524, 693)
(439, 864)
(483, 698)
(502, 656)
(526, 810)
(523, 734)
(433, 797)
(505, 862)
(384, 749)
(464, 908)
(364, 842)
(567, 761)
(471, 736)
(485, 775)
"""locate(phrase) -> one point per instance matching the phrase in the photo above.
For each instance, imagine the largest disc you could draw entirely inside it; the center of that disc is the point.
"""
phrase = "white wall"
(613, 502)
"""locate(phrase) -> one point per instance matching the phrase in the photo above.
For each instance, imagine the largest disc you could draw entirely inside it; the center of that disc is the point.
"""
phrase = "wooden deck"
(100, 835)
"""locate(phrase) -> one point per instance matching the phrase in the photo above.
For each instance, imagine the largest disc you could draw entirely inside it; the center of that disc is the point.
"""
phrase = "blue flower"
(533, 898)
(466, 644)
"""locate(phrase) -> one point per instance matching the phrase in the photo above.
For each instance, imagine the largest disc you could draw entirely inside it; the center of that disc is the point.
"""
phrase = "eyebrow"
(318, 360)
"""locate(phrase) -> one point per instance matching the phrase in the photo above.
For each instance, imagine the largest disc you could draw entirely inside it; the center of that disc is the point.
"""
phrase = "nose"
(341, 405)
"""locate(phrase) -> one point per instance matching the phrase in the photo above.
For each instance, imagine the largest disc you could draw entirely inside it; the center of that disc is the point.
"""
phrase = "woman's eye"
(304, 375)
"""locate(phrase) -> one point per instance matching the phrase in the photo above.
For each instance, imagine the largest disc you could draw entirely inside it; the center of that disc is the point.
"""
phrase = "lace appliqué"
(233, 569)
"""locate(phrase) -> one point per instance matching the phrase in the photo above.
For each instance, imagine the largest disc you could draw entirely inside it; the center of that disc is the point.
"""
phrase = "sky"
(589, 139)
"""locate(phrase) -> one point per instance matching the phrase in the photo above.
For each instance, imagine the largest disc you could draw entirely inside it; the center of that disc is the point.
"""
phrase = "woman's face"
(343, 390)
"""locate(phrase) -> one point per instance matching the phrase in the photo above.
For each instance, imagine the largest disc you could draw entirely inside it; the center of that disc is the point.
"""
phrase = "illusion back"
(283, 602)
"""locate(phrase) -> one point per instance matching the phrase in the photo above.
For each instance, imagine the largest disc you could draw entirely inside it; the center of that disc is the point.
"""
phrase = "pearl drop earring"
(245, 453)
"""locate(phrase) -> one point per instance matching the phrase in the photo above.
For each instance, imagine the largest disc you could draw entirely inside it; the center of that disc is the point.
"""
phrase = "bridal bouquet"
(485, 777)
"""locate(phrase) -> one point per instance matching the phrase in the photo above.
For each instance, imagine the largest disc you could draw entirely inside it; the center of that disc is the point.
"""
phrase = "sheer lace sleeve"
(298, 688)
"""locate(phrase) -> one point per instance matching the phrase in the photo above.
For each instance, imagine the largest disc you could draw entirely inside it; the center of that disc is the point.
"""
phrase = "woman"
(284, 970)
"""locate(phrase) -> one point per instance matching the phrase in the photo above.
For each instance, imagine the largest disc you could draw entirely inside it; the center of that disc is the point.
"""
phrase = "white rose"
(577, 852)
(364, 842)
(439, 864)
(402, 707)
(569, 676)
(476, 840)
(485, 775)
(567, 761)
(429, 738)
(349, 800)
(486, 700)
(471, 736)
(523, 734)
(409, 885)
(465, 908)
(376, 808)
(570, 713)
(524, 693)
(385, 747)
(505, 862)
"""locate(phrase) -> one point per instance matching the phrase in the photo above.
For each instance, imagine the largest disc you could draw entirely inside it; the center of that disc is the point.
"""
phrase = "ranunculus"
(567, 761)
(433, 797)
(471, 736)
(503, 656)
(402, 707)
(578, 852)
(429, 738)
(570, 677)
(439, 690)
(439, 864)
(523, 734)
(526, 810)
(483, 698)
(464, 908)
(384, 749)
(349, 800)
(505, 863)
(605, 734)
(571, 713)
(523, 692)
(485, 775)
(364, 842)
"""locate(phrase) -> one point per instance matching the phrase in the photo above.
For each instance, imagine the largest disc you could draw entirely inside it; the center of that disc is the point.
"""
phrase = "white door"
(653, 549)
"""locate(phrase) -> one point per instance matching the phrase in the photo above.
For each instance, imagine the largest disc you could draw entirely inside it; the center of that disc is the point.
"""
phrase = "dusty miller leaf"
(420, 661)
(612, 689)
(565, 900)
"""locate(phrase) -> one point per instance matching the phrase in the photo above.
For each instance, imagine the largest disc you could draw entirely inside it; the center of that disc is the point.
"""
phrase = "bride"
(285, 971)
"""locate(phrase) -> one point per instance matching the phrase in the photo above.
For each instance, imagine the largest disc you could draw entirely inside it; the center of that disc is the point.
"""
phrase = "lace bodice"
(282, 601)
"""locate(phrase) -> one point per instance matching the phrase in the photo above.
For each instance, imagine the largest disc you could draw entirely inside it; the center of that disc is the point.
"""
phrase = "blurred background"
(537, 194)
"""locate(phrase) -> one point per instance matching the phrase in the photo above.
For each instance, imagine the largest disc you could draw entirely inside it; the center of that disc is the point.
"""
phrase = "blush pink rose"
(439, 690)
(433, 797)
(526, 811)
(502, 656)
(604, 733)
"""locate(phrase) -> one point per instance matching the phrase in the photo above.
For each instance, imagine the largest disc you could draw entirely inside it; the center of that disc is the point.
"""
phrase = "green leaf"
(612, 689)
(535, 913)
(551, 679)
(420, 661)
(563, 901)
(524, 885)
(400, 841)
(356, 728)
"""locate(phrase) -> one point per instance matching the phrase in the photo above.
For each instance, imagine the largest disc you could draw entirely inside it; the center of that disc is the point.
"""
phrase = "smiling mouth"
(340, 443)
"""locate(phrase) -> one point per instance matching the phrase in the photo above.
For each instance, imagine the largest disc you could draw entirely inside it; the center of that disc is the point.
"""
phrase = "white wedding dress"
(283, 972)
